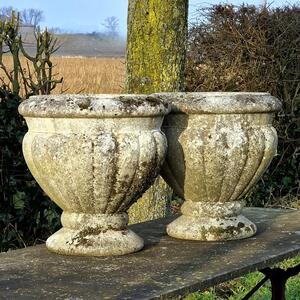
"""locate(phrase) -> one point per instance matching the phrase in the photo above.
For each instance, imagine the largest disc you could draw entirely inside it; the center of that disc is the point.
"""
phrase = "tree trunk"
(156, 51)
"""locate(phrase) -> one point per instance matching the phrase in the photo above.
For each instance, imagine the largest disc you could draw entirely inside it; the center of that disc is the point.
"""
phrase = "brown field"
(87, 74)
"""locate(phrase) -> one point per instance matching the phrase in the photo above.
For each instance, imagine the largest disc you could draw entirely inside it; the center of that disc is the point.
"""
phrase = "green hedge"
(26, 214)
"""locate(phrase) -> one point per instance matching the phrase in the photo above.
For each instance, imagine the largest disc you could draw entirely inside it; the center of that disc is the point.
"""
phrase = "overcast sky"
(87, 15)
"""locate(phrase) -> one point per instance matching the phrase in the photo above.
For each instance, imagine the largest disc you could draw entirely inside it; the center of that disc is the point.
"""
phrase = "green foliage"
(248, 48)
(27, 216)
(238, 288)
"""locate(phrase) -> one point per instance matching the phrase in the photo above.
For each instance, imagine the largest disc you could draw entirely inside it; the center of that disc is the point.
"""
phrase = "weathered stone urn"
(219, 145)
(94, 155)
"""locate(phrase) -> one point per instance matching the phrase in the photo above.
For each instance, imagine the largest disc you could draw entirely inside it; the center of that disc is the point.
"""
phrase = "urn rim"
(93, 106)
(220, 102)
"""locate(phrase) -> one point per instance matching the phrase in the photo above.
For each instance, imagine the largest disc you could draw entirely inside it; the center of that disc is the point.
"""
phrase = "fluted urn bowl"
(94, 155)
(219, 145)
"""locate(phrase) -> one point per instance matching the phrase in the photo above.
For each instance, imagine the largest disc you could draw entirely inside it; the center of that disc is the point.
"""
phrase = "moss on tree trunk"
(156, 51)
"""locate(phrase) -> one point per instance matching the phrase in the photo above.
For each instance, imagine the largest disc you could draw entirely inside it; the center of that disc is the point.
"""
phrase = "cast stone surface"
(219, 145)
(94, 155)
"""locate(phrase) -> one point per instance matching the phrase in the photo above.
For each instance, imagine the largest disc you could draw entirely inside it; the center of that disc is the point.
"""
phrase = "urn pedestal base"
(94, 235)
(211, 222)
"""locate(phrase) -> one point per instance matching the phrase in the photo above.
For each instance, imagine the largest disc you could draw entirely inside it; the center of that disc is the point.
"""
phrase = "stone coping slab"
(167, 268)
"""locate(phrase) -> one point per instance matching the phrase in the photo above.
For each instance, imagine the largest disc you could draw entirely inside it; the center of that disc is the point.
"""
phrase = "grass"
(91, 75)
(86, 74)
(236, 289)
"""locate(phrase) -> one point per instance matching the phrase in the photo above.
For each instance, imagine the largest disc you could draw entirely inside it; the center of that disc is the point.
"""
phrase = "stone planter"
(219, 145)
(94, 155)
